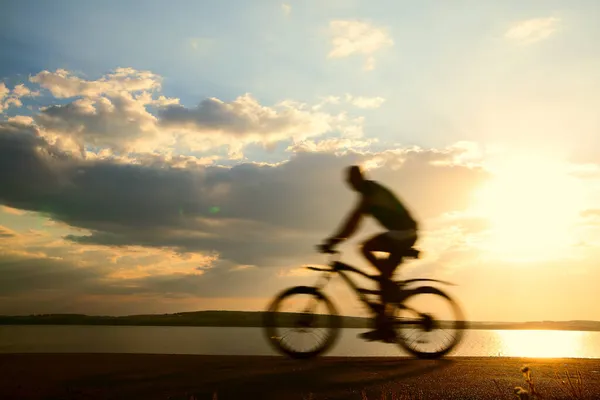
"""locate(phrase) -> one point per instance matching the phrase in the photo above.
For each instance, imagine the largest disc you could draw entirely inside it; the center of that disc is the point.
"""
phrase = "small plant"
(524, 394)
(572, 388)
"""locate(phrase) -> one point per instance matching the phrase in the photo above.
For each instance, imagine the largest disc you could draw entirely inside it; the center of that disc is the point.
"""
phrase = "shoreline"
(473, 328)
(178, 376)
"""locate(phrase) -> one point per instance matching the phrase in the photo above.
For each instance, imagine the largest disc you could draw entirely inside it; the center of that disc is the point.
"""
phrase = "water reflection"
(540, 343)
(251, 341)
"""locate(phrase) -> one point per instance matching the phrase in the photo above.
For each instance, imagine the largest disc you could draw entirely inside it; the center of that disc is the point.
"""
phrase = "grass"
(567, 388)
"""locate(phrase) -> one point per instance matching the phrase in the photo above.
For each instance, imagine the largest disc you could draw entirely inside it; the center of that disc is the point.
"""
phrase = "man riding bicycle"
(379, 202)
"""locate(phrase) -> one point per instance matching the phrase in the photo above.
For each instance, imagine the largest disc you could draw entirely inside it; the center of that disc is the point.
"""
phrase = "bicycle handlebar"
(320, 249)
(331, 252)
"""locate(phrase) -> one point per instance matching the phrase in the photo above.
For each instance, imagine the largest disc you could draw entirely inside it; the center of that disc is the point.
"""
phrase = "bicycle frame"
(341, 269)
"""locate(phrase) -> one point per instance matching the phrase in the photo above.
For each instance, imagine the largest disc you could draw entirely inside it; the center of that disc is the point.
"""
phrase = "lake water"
(251, 341)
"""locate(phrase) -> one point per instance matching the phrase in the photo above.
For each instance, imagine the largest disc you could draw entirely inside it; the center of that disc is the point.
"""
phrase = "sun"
(532, 204)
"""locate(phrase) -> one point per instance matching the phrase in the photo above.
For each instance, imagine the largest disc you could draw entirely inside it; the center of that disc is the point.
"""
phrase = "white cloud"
(3, 94)
(365, 102)
(21, 90)
(357, 101)
(532, 30)
(111, 112)
(286, 8)
(63, 84)
(13, 98)
(356, 37)
(215, 123)
(113, 115)
(331, 145)
(119, 122)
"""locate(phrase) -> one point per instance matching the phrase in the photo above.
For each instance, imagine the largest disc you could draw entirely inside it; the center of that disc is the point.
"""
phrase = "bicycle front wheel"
(428, 323)
(302, 323)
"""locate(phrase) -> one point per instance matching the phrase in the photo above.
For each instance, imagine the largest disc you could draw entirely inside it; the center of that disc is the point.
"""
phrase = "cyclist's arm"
(351, 223)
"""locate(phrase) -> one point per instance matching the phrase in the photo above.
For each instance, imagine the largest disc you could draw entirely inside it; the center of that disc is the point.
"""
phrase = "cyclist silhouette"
(379, 202)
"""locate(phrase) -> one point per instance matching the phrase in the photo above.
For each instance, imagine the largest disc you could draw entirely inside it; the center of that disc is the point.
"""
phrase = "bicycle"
(424, 322)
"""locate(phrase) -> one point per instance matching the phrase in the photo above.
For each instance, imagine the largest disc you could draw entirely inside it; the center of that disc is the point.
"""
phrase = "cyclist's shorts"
(404, 235)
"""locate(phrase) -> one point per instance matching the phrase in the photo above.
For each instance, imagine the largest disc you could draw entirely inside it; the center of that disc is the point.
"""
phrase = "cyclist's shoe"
(382, 335)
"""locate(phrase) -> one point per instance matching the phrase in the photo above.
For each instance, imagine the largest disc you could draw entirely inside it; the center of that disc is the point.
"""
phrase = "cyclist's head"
(354, 177)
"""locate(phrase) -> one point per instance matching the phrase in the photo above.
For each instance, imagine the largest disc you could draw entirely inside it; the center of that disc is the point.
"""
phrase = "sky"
(159, 158)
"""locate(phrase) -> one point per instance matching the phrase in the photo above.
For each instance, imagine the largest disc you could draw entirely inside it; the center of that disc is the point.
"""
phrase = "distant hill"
(253, 319)
(195, 318)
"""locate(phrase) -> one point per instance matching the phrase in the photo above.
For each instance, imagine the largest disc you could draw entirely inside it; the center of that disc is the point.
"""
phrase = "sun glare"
(532, 204)
(542, 344)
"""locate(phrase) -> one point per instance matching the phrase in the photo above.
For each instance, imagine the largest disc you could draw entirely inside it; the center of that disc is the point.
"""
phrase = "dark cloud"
(25, 273)
(6, 233)
(218, 282)
(45, 284)
(31, 170)
(251, 213)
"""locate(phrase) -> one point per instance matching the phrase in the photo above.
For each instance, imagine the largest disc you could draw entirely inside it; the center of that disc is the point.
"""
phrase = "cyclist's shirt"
(385, 207)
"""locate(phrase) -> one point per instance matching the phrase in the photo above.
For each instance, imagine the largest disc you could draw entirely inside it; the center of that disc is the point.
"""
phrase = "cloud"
(44, 272)
(248, 214)
(3, 90)
(121, 123)
(12, 211)
(286, 8)
(532, 30)
(123, 113)
(13, 98)
(365, 102)
(243, 121)
(64, 84)
(6, 233)
(357, 37)
(21, 90)
(331, 145)
(110, 112)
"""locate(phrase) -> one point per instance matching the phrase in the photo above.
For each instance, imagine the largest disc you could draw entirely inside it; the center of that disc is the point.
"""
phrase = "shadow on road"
(187, 377)
(330, 378)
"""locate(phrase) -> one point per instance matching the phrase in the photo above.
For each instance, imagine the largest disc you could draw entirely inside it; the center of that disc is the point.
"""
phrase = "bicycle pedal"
(368, 291)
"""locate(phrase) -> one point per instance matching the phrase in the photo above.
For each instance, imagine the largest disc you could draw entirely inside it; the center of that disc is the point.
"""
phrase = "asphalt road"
(144, 376)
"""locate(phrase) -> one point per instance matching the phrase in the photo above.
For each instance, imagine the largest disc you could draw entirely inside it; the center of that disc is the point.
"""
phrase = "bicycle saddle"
(412, 253)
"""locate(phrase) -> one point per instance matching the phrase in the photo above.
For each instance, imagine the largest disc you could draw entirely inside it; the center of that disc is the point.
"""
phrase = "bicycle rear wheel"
(317, 318)
(428, 323)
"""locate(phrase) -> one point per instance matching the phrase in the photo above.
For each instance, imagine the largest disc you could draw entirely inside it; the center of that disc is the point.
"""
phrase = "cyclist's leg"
(401, 242)
(377, 243)
(395, 244)
(386, 243)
